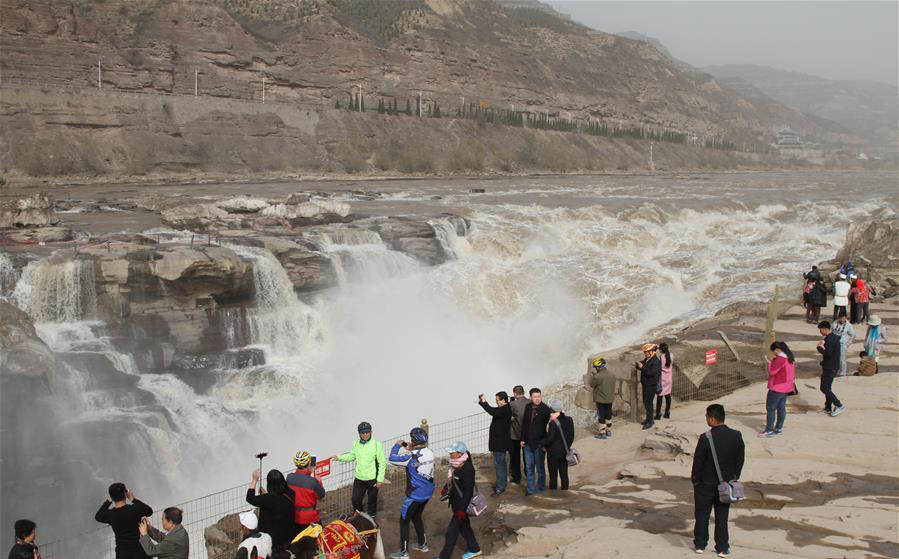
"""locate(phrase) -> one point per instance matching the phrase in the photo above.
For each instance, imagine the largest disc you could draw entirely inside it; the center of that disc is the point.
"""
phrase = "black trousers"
(830, 399)
(853, 311)
(360, 488)
(649, 396)
(455, 528)
(659, 399)
(515, 462)
(413, 515)
(705, 498)
(558, 468)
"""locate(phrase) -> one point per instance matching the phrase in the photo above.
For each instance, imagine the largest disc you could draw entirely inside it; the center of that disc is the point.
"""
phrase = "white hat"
(248, 520)
(874, 320)
(842, 276)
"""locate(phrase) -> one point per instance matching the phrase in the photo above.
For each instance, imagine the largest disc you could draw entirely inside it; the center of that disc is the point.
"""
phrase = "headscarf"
(456, 463)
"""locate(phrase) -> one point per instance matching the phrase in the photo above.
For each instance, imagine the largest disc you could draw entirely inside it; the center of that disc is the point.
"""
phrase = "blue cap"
(457, 446)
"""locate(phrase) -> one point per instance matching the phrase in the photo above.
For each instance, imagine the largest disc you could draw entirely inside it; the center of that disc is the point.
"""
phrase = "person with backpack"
(559, 436)
(459, 490)
(498, 441)
(371, 467)
(418, 460)
(667, 380)
(781, 382)
(276, 506)
(602, 380)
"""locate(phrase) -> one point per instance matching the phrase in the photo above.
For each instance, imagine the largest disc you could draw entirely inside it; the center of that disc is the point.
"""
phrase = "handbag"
(728, 491)
(571, 455)
(478, 503)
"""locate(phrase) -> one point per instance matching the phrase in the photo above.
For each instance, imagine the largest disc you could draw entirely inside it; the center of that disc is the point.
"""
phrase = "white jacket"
(262, 543)
(841, 293)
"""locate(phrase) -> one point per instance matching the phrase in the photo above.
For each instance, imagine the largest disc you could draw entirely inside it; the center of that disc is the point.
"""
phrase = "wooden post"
(635, 397)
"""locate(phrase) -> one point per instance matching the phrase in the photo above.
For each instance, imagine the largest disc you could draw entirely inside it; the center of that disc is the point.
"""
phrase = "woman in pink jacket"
(665, 382)
(781, 382)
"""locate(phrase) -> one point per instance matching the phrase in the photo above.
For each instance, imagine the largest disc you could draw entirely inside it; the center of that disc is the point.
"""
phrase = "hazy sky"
(838, 40)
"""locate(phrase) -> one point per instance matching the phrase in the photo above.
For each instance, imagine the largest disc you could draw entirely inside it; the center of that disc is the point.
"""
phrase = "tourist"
(518, 403)
(307, 491)
(499, 438)
(813, 275)
(862, 298)
(875, 337)
(667, 361)
(124, 517)
(846, 333)
(781, 382)
(174, 543)
(459, 490)
(817, 299)
(371, 466)
(253, 543)
(602, 380)
(559, 436)
(276, 508)
(418, 460)
(853, 304)
(840, 295)
(25, 548)
(533, 430)
(650, 376)
(829, 348)
(847, 269)
(730, 451)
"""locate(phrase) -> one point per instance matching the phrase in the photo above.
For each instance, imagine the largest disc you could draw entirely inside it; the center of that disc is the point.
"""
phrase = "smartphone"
(314, 460)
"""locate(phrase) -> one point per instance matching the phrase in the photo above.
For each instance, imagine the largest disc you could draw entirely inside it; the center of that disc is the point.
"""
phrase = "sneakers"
(778, 431)
(825, 411)
(647, 426)
(399, 555)
(667, 415)
(836, 411)
(471, 554)
(724, 553)
(765, 434)
(601, 436)
(496, 493)
(422, 547)
(608, 434)
(699, 550)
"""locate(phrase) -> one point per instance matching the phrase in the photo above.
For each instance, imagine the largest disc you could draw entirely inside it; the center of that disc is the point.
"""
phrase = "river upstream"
(547, 271)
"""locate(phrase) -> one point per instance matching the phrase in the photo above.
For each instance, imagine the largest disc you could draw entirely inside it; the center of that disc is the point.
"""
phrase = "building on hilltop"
(788, 144)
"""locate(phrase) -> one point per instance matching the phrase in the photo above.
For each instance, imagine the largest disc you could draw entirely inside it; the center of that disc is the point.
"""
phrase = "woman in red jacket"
(781, 382)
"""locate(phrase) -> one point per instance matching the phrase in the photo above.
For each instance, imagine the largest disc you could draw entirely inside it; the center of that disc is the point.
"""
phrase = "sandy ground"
(825, 488)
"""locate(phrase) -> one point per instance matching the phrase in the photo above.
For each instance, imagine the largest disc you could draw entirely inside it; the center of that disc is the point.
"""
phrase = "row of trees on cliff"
(481, 112)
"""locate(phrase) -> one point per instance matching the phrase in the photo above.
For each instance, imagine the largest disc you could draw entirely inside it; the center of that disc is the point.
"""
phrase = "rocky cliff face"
(311, 55)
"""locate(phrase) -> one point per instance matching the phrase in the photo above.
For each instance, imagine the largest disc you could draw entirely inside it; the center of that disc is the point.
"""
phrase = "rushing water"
(546, 274)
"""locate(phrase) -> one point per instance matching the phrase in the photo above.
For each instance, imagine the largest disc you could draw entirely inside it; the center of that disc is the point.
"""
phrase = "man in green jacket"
(371, 466)
(602, 381)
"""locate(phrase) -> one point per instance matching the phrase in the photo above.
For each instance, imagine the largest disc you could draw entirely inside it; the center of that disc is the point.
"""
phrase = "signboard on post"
(322, 469)
(711, 357)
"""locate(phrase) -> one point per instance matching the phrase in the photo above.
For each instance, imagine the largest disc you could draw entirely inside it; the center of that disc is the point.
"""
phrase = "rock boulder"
(36, 209)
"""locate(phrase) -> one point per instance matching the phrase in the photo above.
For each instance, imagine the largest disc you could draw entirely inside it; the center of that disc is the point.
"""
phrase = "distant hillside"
(637, 36)
(864, 108)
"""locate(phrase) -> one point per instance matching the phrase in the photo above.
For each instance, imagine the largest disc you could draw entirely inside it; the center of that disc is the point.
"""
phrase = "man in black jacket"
(650, 375)
(25, 548)
(518, 403)
(499, 440)
(124, 518)
(730, 450)
(533, 431)
(830, 349)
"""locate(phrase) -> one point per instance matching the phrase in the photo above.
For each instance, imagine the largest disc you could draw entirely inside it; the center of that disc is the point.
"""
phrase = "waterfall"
(57, 290)
(451, 232)
(360, 256)
(282, 324)
(8, 275)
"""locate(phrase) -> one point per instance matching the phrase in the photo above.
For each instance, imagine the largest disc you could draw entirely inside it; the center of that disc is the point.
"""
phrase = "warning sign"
(322, 469)
(711, 357)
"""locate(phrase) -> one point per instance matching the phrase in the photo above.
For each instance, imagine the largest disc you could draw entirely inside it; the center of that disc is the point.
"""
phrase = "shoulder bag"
(478, 503)
(728, 491)
(571, 455)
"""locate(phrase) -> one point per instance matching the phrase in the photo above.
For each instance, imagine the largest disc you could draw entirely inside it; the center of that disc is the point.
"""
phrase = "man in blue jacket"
(419, 463)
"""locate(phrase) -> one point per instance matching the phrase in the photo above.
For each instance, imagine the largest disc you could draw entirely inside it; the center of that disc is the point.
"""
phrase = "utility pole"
(99, 76)
(196, 72)
(263, 90)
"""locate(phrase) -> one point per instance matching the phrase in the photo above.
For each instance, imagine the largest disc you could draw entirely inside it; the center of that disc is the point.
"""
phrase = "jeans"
(499, 461)
(827, 389)
(534, 469)
(558, 468)
(413, 515)
(360, 488)
(775, 404)
(455, 528)
(844, 352)
(515, 461)
(705, 498)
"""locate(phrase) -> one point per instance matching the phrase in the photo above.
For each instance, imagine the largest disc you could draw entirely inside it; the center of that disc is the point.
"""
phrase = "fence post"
(425, 426)
(635, 399)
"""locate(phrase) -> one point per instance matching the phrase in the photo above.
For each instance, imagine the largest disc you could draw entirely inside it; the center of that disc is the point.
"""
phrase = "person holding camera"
(499, 439)
(276, 508)
(650, 378)
(173, 544)
(371, 467)
(123, 512)
(307, 491)
(418, 460)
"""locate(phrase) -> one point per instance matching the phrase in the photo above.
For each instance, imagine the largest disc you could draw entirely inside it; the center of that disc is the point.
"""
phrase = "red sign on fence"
(322, 469)
(711, 357)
